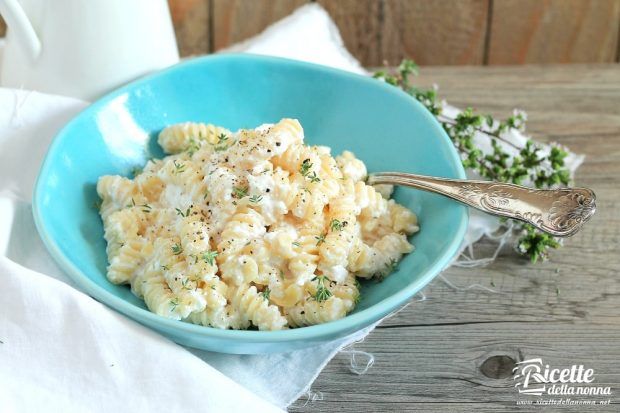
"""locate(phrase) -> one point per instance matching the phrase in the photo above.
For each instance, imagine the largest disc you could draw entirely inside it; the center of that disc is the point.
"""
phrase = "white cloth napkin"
(60, 350)
(53, 336)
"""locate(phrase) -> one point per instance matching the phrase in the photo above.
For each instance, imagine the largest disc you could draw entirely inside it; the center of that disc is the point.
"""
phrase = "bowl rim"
(362, 319)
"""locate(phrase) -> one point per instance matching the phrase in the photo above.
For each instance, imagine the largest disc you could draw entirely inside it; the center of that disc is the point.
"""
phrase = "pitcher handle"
(18, 22)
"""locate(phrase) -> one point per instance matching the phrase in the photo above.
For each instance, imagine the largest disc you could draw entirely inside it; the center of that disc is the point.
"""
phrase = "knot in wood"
(498, 367)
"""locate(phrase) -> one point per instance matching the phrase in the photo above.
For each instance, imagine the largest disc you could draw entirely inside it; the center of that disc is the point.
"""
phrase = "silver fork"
(559, 212)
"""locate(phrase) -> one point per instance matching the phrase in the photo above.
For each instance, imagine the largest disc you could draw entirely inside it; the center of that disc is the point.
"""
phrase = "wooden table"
(454, 352)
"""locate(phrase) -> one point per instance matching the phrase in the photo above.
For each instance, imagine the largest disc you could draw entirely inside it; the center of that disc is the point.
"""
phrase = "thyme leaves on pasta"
(209, 257)
(322, 292)
(337, 225)
(320, 239)
(313, 177)
(240, 191)
(184, 214)
(192, 147)
(255, 199)
(543, 169)
(222, 143)
(304, 170)
(146, 208)
(185, 283)
(265, 293)
(179, 167)
(177, 249)
(305, 167)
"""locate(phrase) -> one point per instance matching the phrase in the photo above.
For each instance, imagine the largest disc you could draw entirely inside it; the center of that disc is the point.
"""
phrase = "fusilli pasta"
(250, 229)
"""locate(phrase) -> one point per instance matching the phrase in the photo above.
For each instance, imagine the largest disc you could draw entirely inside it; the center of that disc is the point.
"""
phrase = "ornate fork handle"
(560, 212)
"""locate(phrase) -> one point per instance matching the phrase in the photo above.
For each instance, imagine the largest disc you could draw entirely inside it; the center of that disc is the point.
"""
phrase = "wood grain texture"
(434, 355)
(554, 31)
(439, 32)
(237, 20)
(191, 21)
(447, 32)
(361, 24)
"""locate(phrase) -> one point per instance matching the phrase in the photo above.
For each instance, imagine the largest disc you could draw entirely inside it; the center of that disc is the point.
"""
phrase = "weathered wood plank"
(449, 32)
(428, 357)
(191, 25)
(554, 31)
(236, 20)
(441, 364)
(361, 24)
(446, 32)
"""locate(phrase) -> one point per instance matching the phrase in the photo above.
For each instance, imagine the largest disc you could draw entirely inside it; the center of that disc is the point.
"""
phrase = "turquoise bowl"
(383, 126)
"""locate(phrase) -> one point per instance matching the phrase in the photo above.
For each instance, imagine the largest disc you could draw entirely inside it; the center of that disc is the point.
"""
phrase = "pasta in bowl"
(383, 127)
(251, 229)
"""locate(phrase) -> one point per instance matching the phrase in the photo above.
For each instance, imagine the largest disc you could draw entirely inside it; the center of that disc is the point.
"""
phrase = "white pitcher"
(83, 48)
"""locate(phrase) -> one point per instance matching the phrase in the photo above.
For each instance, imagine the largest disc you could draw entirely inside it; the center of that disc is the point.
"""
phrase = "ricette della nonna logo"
(534, 377)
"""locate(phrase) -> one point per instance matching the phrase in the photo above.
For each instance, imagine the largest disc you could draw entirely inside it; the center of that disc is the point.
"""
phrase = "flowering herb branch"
(530, 164)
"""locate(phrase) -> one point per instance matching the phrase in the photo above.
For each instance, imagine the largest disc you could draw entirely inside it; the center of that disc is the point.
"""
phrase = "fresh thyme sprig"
(535, 244)
(255, 199)
(542, 170)
(322, 292)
